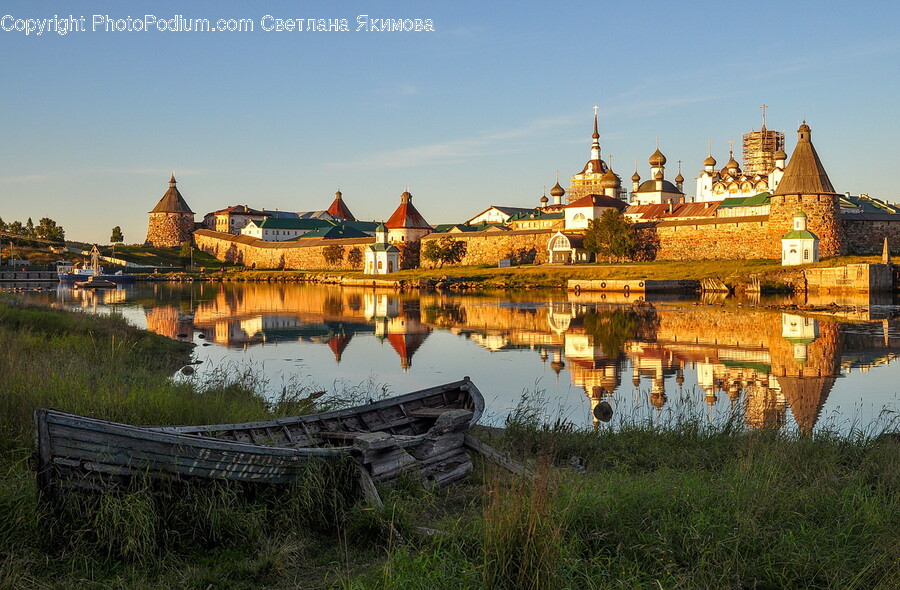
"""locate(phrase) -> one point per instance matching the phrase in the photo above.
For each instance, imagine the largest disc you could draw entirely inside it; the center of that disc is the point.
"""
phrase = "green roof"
(754, 201)
(800, 234)
(758, 367)
(334, 232)
(383, 248)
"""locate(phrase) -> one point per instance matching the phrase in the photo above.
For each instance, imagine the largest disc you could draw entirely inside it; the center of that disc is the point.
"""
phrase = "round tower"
(171, 221)
(806, 184)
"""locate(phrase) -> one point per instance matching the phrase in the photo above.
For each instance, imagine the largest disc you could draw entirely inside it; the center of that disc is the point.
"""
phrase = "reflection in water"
(772, 367)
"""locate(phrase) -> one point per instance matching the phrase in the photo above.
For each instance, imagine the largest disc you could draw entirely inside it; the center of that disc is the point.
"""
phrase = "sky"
(481, 111)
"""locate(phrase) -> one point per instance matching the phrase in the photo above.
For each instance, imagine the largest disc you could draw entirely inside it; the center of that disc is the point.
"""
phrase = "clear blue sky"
(481, 111)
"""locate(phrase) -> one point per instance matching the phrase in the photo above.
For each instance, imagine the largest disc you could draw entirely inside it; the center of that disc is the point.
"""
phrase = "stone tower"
(805, 185)
(171, 221)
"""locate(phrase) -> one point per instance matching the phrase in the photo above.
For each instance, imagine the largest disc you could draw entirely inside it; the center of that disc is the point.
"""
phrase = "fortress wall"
(866, 236)
(719, 238)
(256, 253)
(488, 247)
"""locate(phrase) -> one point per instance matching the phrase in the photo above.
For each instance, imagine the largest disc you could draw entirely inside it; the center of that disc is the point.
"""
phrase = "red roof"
(406, 216)
(598, 201)
(339, 208)
(679, 210)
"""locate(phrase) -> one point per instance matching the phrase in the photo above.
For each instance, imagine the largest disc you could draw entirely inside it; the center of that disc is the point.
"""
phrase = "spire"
(172, 201)
(764, 107)
(595, 147)
(172, 179)
(596, 134)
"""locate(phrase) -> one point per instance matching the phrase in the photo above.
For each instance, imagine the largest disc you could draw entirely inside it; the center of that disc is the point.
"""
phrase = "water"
(671, 360)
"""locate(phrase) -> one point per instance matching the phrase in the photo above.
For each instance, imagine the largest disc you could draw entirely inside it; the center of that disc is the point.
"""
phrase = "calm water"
(711, 359)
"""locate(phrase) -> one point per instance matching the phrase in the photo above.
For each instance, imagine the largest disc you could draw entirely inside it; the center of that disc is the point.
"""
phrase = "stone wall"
(711, 239)
(166, 230)
(488, 247)
(866, 236)
(303, 254)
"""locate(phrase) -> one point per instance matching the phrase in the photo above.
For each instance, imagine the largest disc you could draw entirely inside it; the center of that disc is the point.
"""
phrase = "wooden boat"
(423, 431)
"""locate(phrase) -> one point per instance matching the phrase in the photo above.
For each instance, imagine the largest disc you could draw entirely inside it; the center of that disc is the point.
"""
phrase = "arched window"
(380, 265)
(805, 254)
(390, 266)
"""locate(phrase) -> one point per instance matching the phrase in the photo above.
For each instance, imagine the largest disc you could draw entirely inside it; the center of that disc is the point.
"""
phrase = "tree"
(186, 253)
(355, 257)
(29, 228)
(2, 224)
(117, 237)
(445, 250)
(48, 230)
(611, 236)
(16, 228)
(334, 254)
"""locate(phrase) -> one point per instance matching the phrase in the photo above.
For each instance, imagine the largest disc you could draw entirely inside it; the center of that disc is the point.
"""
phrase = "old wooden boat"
(422, 431)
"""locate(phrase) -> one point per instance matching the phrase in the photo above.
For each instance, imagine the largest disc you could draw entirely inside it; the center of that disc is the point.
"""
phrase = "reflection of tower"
(599, 411)
(658, 391)
(806, 362)
(337, 343)
(406, 333)
(765, 405)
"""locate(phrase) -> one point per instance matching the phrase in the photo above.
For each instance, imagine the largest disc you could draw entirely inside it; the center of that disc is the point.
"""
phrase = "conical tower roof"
(172, 201)
(804, 173)
(406, 215)
(339, 208)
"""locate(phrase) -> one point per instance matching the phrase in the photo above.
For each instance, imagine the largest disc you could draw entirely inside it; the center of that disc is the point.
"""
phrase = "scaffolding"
(759, 149)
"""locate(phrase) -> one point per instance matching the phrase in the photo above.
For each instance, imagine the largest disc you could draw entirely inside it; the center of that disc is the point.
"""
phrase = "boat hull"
(423, 431)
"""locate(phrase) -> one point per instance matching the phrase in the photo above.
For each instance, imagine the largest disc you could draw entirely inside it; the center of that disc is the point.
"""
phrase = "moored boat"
(422, 431)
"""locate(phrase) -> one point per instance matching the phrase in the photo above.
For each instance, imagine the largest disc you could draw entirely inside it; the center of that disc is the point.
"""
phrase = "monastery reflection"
(765, 365)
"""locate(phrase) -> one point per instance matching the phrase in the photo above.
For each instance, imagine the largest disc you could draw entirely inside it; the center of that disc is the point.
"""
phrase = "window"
(805, 254)
(380, 265)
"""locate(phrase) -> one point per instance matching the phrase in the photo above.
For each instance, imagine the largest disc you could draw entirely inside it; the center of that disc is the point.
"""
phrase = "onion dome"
(609, 180)
(709, 161)
(780, 155)
(544, 200)
(557, 191)
(636, 177)
(679, 178)
(657, 159)
(659, 175)
(801, 214)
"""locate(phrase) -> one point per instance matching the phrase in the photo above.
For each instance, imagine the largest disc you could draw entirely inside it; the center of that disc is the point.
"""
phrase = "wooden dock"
(630, 285)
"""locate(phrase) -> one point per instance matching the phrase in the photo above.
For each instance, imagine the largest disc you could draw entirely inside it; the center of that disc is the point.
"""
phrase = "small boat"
(68, 272)
(422, 431)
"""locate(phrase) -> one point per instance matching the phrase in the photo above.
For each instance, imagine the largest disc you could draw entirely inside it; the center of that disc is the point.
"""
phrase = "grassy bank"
(688, 506)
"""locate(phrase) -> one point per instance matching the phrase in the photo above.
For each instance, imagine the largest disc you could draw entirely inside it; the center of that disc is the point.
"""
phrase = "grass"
(685, 506)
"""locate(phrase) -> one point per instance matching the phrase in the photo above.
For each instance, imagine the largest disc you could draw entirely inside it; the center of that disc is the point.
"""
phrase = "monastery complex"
(773, 206)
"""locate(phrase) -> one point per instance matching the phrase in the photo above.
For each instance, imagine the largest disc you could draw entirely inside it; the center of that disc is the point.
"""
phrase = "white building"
(274, 229)
(381, 258)
(799, 246)
(580, 213)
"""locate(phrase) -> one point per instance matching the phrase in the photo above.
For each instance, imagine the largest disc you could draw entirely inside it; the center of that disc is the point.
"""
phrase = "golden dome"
(609, 180)
(657, 159)
(709, 161)
(557, 191)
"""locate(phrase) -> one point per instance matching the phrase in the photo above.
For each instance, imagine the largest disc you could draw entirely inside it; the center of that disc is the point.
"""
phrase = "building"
(406, 224)
(764, 162)
(281, 229)
(579, 214)
(339, 209)
(171, 221)
(232, 220)
(495, 214)
(381, 258)
(805, 185)
(657, 190)
(799, 246)
(590, 180)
